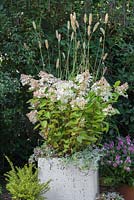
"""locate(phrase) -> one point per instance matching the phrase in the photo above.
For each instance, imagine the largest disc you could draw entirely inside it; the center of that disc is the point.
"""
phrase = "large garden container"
(68, 182)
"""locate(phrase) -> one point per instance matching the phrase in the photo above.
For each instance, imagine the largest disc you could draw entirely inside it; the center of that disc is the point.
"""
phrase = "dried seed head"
(25, 46)
(59, 37)
(84, 45)
(46, 44)
(34, 25)
(63, 54)
(100, 39)
(104, 70)
(89, 30)
(106, 18)
(73, 21)
(71, 16)
(57, 34)
(68, 25)
(39, 43)
(85, 18)
(105, 56)
(74, 16)
(72, 36)
(96, 26)
(77, 24)
(90, 19)
(57, 63)
(78, 44)
(102, 30)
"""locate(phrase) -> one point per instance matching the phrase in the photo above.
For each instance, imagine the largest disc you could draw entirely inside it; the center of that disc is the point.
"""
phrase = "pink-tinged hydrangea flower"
(34, 84)
(32, 116)
(25, 79)
(40, 93)
(122, 89)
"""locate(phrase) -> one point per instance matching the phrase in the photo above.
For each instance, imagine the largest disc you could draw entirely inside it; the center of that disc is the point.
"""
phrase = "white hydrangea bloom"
(64, 90)
(80, 78)
(103, 89)
(78, 102)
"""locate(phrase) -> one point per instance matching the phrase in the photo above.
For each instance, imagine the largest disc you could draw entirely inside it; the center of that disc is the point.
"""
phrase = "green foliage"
(23, 183)
(66, 132)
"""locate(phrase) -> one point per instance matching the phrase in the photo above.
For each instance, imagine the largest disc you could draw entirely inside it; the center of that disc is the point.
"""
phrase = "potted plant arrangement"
(118, 165)
(71, 113)
(71, 116)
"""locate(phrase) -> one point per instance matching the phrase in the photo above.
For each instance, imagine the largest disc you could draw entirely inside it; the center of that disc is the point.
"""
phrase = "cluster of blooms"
(120, 154)
(110, 196)
(71, 92)
(103, 89)
(121, 89)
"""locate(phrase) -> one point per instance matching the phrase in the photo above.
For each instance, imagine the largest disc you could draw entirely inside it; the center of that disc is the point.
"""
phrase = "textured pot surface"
(127, 192)
(68, 183)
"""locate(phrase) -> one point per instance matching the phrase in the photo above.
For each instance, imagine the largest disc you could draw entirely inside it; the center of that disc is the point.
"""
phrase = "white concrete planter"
(68, 183)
